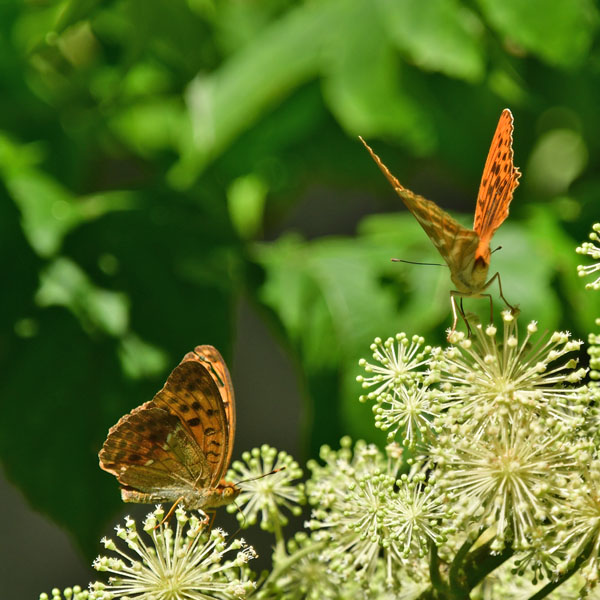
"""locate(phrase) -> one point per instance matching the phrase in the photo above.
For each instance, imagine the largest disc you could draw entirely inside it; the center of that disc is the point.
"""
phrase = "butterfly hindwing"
(150, 450)
(498, 183)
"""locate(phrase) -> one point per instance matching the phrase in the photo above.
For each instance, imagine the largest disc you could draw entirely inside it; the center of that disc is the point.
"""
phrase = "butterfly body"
(467, 251)
(177, 446)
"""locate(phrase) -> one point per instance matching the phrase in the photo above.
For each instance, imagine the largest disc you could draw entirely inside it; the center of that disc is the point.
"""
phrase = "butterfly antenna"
(495, 249)
(410, 262)
(261, 476)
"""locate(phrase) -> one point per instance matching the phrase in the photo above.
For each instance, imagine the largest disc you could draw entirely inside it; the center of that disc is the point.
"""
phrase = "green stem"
(474, 568)
(279, 539)
(481, 562)
(440, 587)
(456, 568)
(275, 573)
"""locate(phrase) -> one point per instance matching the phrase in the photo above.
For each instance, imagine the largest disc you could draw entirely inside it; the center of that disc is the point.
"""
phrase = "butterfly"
(177, 447)
(467, 251)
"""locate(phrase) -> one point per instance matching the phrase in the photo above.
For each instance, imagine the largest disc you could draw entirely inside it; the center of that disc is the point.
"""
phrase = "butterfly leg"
(513, 309)
(457, 309)
(171, 511)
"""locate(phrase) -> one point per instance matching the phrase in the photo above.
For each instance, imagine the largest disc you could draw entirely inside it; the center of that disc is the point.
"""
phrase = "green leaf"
(49, 210)
(246, 199)
(59, 394)
(437, 35)
(63, 283)
(560, 32)
(361, 82)
(226, 102)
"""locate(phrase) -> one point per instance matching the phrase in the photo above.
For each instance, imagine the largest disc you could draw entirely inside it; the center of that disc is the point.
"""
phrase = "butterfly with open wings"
(177, 447)
(467, 251)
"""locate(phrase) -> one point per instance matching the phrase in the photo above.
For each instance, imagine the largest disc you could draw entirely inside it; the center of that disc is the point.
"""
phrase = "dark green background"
(178, 172)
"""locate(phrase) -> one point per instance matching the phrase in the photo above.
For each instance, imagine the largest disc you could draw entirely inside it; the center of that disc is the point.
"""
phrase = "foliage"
(151, 154)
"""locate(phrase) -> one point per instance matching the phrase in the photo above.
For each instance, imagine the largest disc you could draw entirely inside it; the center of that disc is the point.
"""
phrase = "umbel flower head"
(590, 249)
(489, 380)
(368, 515)
(189, 563)
(402, 374)
(397, 361)
(266, 493)
(510, 476)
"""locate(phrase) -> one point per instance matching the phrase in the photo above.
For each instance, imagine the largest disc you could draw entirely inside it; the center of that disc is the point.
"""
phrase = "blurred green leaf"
(59, 394)
(151, 126)
(246, 199)
(560, 33)
(285, 55)
(361, 83)
(437, 35)
(48, 210)
(63, 283)
(563, 147)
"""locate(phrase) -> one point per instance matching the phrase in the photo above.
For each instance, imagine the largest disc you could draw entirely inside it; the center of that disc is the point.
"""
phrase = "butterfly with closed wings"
(467, 251)
(177, 447)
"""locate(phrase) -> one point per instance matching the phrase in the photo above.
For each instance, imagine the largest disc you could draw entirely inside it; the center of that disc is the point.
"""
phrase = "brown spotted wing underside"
(177, 447)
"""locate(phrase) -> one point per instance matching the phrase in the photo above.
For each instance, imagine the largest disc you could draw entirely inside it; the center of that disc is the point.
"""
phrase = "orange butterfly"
(467, 251)
(177, 447)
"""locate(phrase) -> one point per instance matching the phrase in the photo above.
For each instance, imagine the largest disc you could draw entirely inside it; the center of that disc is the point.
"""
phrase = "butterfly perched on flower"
(467, 251)
(177, 447)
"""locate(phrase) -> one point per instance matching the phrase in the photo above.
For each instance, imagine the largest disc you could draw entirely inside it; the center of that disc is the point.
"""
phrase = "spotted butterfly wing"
(499, 180)
(177, 447)
(211, 358)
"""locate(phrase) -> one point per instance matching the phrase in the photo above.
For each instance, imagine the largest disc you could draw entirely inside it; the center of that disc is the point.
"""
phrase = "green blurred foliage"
(151, 154)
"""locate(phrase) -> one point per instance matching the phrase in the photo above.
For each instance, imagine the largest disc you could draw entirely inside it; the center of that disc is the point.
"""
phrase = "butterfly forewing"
(211, 358)
(191, 394)
(454, 242)
(498, 183)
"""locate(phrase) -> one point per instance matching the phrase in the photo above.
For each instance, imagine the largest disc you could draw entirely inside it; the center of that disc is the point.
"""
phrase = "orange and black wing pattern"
(498, 183)
(192, 395)
(212, 360)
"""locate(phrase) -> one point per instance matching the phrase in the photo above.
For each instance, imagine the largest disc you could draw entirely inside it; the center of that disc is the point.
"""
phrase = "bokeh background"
(181, 172)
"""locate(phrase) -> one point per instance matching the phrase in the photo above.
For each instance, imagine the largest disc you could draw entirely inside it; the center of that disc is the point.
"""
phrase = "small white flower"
(397, 361)
(408, 412)
(74, 593)
(510, 477)
(352, 494)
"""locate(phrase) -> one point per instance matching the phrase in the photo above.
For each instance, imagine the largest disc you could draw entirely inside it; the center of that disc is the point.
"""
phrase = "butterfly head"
(224, 493)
